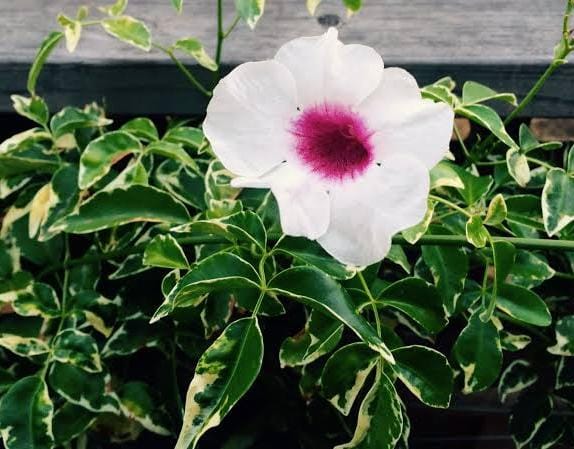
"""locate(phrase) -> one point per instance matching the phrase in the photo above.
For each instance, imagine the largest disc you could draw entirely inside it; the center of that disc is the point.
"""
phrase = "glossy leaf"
(195, 49)
(23, 346)
(129, 30)
(222, 376)
(518, 167)
(517, 376)
(433, 386)
(164, 251)
(34, 108)
(142, 128)
(250, 11)
(473, 92)
(523, 305)
(26, 413)
(121, 206)
(476, 233)
(497, 211)
(488, 118)
(319, 291)
(557, 201)
(478, 352)
(380, 420)
(101, 153)
(564, 337)
(42, 55)
(418, 300)
(530, 270)
(345, 374)
(138, 402)
(70, 421)
(77, 348)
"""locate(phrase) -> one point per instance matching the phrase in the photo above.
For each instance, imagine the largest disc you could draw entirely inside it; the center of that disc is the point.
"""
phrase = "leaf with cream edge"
(138, 402)
(488, 118)
(224, 373)
(530, 270)
(164, 251)
(380, 419)
(88, 390)
(479, 354)
(142, 128)
(250, 11)
(517, 377)
(473, 92)
(70, 421)
(317, 290)
(518, 167)
(476, 233)
(523, 304)
(321, 335)
(557, 201)
(426, 373)
(221, 271)
(241, 226)
(101, 153)
(449, 268)
(345, 374)
(34, 108)
(26, 412)
(121, 206)
(23, 346)
(496, 212)
(37, 299)
(414, 233)
(77, 348)
(564, 337)
(418, 300)
(195, 49)
(311, 253)
(129, 30)
(44, 52)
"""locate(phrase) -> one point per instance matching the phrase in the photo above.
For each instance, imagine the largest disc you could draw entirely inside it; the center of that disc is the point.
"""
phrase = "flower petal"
(366, 213)
(303, 202)
(325, 70)
(248, 117)
(404, 123)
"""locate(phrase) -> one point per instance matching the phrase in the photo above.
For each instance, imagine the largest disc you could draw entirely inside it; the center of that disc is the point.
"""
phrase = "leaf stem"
(441, 240)
(450, 204)
(220, 33)
(539, 162)
(192, 79)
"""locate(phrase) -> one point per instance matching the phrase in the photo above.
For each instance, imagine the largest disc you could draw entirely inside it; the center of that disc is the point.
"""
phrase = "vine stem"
(441, 240)
(192, 79)
(450, 204)
(220, 33)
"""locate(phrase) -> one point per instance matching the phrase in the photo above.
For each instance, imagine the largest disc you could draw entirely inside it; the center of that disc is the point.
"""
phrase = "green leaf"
(195, 49)
(43, 53)
(380, 420)
(240, 227)
(34, 108)
(164, 251)
(478, 352)
(398, 256)
(173, 151)
(488, 118)
(250, 11)
(178, 5)
(353, 5)
(473, 92)
(449, 267)
(414, 233)
(311, 253)
(565, 373)
(530, 270)
(142, 128)
(140, 404)
(320, 336)
(70, 119)
(223, 375)
(70, 421)
(115, 9)
(221, 271)
(475, 187)
(426, 373)
(497, 211)
(72, 31)
(26, 413)
(476, 233)
(517, 376)
(186, 136)
(184, 184)
(100, 154)
(514, 342)
(418, 300)
(88, 390)
(319, 291)
(445, 174)
(37, 300)
(526, 139)
(129, 30)
(121, 206)
(527, 416)
(133, 335)
(345, 374)
(518, 167)
(557, 201)
(23, 346)
(564, 337)
(74, 347)
(523, 305)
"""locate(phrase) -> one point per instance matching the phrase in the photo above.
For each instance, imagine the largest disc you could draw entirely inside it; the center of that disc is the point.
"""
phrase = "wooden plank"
(503, 44)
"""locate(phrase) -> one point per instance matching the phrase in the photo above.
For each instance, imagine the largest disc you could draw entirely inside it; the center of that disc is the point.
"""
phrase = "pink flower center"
(333, 141)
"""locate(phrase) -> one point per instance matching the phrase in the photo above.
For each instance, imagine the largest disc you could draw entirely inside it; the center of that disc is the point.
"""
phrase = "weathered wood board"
(505, 44)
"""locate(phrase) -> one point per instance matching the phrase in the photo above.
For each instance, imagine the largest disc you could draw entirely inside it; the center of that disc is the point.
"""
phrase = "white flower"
(345, 145)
